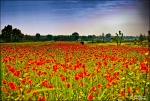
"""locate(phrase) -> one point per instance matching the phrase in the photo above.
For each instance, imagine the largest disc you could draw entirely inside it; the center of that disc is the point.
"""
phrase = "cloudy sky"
(87, 17)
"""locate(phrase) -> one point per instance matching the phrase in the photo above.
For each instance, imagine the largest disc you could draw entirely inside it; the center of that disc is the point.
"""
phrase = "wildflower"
(116, 73)
(122, 93)
(35, 93)
(68, 85)
(81, 84)
(99, 85)
(90, 96)
(76, 78)
(23, 81)
(92, 89)
(44, 83)
(17, 73)
(29, 90)
(50, 86)
(19, 87)
(128, 89)
(29, 81)
(105, 63)
(12, 86)
(4, 81)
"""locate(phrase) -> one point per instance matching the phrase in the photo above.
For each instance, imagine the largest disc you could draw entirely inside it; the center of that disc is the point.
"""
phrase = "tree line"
(11, 35)
(8, 34)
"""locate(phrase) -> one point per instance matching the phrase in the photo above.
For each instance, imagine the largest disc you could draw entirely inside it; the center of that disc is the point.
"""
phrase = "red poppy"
(68, 85)
(108, 85)
(11, 69)
(99, 85)
(19, 87)
(92, 89)
(116, 73)
(44, 83)
(105, 63)
(50, 86)
(77, 78)
(29, 90)
(81, 84)
(128, 89)
(29, 81)
(90, 96)
(17, 73)
(23, 81)
(63, 79)
(122, 93)
(12, 86)
(35, 93)
(4, 81)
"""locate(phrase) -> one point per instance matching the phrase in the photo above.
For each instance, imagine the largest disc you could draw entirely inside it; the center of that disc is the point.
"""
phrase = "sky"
(87, 17)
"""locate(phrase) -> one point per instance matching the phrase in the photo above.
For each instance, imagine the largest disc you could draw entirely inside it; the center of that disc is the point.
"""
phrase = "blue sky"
(87, 17)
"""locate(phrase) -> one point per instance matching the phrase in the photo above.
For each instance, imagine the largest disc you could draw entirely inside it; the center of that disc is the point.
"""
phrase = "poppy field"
(70, 71)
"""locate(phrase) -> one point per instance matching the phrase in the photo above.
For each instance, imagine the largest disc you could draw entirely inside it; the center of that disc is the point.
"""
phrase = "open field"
(49, 71)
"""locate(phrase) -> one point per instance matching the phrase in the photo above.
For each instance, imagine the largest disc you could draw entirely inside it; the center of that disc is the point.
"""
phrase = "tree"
(49, 37)
(7, 33)
(141, 38)
(17, 35)
(37, 36)
(148, 37)
(75, 36)
(103, 37)
(118, 38)
(108, 37)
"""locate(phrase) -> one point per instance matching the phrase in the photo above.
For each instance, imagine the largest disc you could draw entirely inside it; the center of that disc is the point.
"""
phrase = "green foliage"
(118, 38)
(38, 36)
(75, 36)
(11, 35)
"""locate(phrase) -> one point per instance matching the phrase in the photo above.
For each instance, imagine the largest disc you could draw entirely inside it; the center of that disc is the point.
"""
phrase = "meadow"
(59, 71)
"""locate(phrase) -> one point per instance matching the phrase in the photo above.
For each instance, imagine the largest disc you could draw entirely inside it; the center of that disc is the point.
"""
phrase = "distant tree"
(7, 33)
(141, 38)
(148, 37)
(29, 38)
(49, 37)
(103, 36)
(37, 36)
(17, 35)
(108, 37)
(118, 38)
(84, 38)
(144, 37)
(93, 38)
(75, 36)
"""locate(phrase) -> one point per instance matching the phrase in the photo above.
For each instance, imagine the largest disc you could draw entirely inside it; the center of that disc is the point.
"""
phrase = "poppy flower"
(68, 85)
(105, 63)
(90, 96)
(29, 81)
(81, 84)
(35, 93)
(23, 81)
(116, 73)
(12, 86)
(128, 89)
(50, 86)
(122, 93)
(99, 85)
(4, 81)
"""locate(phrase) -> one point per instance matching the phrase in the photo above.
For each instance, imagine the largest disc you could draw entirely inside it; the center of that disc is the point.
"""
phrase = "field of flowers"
(71, 71)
